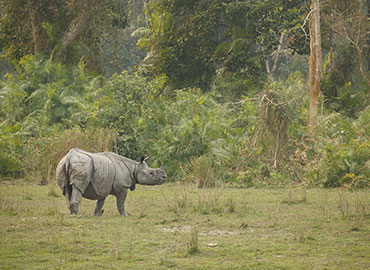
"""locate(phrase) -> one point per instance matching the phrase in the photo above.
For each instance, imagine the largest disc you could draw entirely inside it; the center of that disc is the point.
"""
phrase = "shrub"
(37, 101)
(200, 171)
(10, 150)
(345, 151)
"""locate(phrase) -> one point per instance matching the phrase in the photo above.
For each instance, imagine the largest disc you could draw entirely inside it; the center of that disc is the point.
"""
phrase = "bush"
(41, 94)
(37, 103)
(174, 129)
(345, 151)
(200, 171)
(9, 166)
(10, 150)
(251, 137)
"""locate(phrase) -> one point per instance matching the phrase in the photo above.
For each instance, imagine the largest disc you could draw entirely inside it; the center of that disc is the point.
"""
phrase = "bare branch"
(304, 23)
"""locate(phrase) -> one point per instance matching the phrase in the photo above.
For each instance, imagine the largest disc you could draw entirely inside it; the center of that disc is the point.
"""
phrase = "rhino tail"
(67, 187)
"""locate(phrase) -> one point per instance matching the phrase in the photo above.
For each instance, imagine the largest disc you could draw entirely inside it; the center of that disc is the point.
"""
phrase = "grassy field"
(181, 227)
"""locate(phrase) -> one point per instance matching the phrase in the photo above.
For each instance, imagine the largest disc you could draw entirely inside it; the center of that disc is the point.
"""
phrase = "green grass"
(182, 227)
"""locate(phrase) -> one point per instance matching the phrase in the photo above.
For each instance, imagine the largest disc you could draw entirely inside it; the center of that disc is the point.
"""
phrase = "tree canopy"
(190, 41)
(67, 30)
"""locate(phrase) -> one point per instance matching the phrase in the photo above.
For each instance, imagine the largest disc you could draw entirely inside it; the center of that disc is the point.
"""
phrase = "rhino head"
(149, 176)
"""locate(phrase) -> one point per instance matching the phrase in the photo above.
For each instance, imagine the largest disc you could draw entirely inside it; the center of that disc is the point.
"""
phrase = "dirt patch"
(187, 228)
(220, 233)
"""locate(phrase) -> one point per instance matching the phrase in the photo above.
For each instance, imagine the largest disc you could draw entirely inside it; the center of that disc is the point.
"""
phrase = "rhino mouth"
(163, 178)
(161, 181)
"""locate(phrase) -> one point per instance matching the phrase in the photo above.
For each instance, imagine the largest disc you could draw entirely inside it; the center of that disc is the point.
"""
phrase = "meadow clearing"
(178, 226)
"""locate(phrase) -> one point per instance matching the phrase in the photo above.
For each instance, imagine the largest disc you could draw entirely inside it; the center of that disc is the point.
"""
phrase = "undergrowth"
(259, 140)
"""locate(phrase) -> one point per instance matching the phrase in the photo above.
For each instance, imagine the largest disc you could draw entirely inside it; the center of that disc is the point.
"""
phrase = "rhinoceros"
(96, 175)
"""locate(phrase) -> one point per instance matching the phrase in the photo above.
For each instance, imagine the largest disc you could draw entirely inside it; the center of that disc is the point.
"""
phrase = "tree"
(181, 38)
(15, 29)
(66, 29)
(37, 12)
(191, 41)
(272, 28)
(348, 20)
(315, 63)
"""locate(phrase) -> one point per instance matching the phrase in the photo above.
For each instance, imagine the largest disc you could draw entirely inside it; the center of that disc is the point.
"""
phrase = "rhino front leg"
(98, 209)
(75, 200)
(121, 197)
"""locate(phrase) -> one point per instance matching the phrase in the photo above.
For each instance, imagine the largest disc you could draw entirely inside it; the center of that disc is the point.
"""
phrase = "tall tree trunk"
(363, 46)
(277, 53)
(38, 32)
(315, 64)
(77, 25)
(362, 64)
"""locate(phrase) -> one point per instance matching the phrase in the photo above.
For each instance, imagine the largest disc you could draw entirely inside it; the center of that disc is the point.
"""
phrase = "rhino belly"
(91, 194)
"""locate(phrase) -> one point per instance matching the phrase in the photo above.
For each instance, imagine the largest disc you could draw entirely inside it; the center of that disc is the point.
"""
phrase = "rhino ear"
(144, 159)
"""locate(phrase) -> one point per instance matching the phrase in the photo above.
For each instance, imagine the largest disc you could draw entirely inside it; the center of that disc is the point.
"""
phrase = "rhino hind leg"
(121, 197)
(67, 192)
(75, 200)
(98, 209)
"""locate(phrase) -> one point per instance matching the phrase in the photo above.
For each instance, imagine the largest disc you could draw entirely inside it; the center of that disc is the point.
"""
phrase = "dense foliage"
(190, 41)
(221, 96)
(254, 141)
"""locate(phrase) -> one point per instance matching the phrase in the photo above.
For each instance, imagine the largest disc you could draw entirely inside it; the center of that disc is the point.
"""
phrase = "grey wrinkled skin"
(94, 176)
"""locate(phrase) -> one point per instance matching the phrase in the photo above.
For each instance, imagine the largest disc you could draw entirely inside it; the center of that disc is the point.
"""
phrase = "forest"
(259, 111)
(219, 91)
